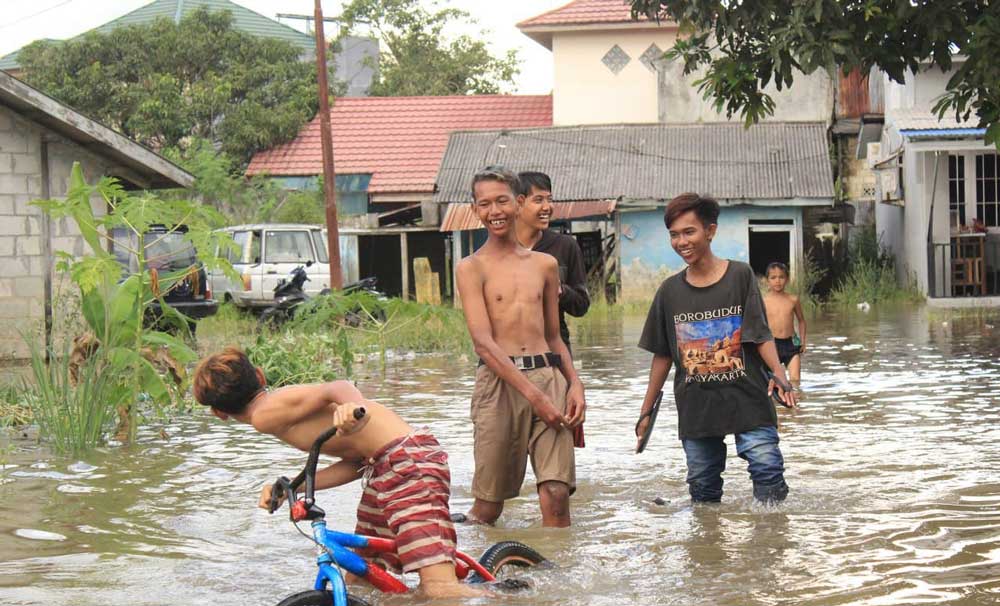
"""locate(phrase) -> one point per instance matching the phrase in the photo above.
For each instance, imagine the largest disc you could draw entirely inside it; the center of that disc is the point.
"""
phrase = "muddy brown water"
(893, 462)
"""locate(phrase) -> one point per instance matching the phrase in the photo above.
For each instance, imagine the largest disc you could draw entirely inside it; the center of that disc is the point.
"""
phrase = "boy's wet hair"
(529, 179)
(495, 173)
(226, 381)
(704, 207)
(776, 265)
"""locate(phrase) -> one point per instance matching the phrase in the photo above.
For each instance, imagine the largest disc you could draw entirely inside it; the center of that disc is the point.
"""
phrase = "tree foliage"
(418, 57)
(164, 82)
(744, 46)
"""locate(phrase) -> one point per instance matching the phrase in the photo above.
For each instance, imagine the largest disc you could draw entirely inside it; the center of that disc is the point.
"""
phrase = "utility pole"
(329, 174)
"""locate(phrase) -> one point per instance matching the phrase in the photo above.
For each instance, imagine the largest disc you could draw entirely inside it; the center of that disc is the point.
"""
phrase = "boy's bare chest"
(517, 282)
(778, 305)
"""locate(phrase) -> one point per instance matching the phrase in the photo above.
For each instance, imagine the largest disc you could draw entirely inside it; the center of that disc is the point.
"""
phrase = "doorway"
(768, 244)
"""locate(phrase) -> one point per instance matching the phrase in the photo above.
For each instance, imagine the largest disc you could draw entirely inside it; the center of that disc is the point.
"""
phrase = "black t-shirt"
(574, 299)
(711, 333)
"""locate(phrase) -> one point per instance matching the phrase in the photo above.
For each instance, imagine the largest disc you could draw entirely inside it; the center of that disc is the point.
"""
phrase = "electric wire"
(33, 15)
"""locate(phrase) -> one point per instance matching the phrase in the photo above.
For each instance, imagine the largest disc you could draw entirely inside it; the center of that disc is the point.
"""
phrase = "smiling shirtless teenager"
(528, 397)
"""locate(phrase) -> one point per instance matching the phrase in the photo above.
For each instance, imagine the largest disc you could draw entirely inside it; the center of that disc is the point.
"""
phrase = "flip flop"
(644, 439)
(775, 397)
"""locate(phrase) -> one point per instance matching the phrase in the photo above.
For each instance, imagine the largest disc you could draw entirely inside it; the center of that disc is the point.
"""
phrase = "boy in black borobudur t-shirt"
(712, 327)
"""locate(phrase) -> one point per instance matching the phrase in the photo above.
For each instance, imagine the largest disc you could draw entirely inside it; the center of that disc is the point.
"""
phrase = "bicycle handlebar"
(308, 474)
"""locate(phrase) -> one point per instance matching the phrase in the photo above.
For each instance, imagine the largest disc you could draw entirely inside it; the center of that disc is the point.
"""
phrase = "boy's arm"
(470, 289)
(769, 354)
(802, 324)
(338, 474)
(576, 403)
(574, 298)
(658, 372)
(290, 405)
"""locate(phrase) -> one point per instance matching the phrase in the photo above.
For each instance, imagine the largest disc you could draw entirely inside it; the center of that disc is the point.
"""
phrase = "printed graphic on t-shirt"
(709, 344)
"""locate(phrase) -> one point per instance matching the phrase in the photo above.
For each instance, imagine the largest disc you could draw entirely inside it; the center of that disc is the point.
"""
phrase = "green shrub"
(872, 274)
(15, 405)
(289, 358)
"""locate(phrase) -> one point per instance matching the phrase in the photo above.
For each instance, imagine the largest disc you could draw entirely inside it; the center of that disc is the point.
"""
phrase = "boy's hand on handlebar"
(265, 498)
(345, 418)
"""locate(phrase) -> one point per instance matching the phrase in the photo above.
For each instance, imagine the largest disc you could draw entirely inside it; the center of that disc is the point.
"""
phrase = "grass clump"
(74, 408)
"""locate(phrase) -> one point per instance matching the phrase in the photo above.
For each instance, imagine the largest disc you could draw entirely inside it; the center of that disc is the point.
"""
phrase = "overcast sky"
(23, 22)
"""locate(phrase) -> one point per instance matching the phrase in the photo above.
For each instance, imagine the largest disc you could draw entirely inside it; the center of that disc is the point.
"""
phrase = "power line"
(33, 15)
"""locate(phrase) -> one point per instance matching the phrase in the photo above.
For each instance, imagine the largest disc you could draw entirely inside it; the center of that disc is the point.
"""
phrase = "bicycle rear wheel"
(318, 598)
(503, 557)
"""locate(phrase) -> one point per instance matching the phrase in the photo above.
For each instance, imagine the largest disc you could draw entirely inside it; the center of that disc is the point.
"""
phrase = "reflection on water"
(892, 461)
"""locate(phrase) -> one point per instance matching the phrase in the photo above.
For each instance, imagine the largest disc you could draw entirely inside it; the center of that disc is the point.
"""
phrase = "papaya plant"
(116, 299)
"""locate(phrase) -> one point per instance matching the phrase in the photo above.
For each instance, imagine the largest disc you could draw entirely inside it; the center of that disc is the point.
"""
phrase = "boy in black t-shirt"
(534, 199)
(709, 322)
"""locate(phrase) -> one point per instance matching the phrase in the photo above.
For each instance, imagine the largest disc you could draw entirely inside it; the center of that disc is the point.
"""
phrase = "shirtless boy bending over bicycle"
(406, 498)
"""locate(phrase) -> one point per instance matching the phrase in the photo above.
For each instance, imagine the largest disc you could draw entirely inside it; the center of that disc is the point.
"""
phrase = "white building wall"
(809, 99)
(586, 91)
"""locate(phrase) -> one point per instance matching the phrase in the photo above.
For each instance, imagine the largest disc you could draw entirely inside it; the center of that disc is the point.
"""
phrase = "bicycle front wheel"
(318, 598)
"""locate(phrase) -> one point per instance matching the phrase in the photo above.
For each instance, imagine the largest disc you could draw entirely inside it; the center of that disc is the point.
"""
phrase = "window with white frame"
(987, 177)
(956, 190)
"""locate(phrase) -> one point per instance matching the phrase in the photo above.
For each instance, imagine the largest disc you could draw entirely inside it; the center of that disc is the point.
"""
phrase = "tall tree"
(163, 84)
(418, 57)
(744, 46)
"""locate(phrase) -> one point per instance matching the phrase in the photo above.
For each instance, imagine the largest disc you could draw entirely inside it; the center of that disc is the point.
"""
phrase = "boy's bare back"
(781, 311)
(513, 286)
(298, 414)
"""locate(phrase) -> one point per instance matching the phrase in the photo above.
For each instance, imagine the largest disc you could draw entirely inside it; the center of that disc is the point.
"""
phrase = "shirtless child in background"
(399, 458)
(528, 398)
(782, 311)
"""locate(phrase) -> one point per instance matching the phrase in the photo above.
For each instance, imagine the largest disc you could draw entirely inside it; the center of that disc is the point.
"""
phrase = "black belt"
(532, 362)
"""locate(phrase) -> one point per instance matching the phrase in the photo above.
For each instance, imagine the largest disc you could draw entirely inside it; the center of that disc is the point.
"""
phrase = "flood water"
(893, 463)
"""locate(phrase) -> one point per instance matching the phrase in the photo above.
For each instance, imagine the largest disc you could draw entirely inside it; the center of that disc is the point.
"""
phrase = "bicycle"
(335, 547)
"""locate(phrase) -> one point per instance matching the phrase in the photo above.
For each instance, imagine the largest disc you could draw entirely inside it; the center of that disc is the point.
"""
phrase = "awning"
(460, 216)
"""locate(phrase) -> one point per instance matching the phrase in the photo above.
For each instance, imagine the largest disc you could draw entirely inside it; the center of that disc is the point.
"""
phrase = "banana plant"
(115, 299)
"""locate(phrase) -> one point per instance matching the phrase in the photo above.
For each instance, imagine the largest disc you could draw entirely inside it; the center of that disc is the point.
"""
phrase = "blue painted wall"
(648, 259)
(352, 190)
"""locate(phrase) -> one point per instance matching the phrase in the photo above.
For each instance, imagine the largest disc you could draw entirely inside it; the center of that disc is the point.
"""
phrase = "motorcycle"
(289, 294)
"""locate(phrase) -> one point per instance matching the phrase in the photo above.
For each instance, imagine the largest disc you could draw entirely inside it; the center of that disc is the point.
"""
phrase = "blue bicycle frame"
(336, 552)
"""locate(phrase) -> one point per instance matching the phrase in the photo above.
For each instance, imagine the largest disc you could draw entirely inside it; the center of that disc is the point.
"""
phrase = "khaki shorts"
(506, 432)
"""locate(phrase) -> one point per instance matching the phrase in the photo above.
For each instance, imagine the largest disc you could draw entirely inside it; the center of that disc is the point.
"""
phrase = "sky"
(23, 22)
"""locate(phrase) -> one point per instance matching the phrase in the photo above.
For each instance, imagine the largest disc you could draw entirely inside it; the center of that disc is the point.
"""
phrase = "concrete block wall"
(24, 265)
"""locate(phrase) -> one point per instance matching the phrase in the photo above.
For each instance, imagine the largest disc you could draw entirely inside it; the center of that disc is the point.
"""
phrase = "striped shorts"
(406, 499)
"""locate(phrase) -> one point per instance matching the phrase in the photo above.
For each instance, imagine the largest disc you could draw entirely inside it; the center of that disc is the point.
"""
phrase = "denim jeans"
(706, 460)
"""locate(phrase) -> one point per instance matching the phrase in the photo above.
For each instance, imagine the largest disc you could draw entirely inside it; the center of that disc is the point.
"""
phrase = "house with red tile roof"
(387, 151)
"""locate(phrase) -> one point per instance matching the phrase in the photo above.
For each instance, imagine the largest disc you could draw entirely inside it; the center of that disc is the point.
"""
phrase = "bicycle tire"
(507, 554)
(318, 598)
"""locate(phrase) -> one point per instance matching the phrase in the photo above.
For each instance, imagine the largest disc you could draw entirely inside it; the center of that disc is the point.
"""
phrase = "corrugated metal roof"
(244, 19)
(778, 160)
(915, 119)
(462, 217)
